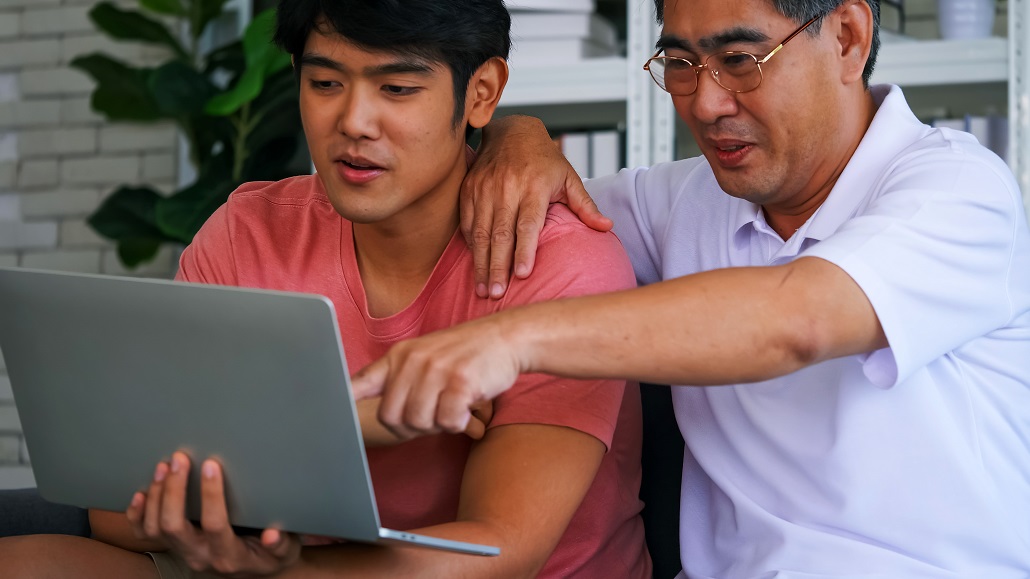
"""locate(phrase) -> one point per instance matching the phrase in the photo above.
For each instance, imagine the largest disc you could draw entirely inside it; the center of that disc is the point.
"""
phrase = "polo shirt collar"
(894, 128)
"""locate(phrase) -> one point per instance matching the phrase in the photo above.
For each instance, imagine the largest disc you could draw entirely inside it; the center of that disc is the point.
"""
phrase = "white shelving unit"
(996, 67)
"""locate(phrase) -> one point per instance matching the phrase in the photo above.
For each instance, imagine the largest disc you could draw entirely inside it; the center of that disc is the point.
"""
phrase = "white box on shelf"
(551, 5)
(576, 148)
(605, 152)
(556, 51)
(536, 25)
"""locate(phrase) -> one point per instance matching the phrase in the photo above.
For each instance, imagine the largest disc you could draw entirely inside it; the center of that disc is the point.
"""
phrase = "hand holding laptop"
(160, 514)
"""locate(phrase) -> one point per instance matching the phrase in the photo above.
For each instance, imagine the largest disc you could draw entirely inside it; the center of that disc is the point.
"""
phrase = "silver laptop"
(111, 375)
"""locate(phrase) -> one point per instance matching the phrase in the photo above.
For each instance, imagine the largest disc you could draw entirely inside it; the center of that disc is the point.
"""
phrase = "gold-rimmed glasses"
(734, 70)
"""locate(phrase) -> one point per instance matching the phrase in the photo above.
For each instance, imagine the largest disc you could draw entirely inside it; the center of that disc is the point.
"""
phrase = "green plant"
(236, 106)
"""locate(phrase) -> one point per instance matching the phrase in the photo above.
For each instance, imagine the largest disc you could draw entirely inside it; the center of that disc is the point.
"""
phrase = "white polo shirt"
(913, 461)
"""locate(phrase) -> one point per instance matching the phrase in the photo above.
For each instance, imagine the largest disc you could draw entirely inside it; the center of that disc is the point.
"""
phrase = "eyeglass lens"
(734, 71)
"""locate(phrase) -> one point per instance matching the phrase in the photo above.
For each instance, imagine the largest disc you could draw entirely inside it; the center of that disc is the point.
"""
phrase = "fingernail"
(521, 270)
(209, 469)
(481, 290)
(497, 290)
(176, 464)
(160, 472)
(137, 500)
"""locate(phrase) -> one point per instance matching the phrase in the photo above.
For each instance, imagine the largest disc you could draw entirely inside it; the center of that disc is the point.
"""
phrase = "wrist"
(525, 336)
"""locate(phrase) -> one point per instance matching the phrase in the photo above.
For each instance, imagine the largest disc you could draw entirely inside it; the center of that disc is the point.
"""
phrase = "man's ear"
(854, 37)
(484, 91)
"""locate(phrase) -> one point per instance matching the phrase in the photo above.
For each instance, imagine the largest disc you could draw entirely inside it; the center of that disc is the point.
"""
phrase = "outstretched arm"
(518, 172)
(719, 327)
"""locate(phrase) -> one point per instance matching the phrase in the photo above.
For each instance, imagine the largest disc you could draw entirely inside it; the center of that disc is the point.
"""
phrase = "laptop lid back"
(111, 375)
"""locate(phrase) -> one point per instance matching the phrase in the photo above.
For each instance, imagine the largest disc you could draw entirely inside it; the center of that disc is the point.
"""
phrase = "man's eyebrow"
(399, 67)
(715, 41)
(319, 61)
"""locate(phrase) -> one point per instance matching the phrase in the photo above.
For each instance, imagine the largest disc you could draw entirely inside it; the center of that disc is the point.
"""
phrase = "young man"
(388, 90)
(844, 291)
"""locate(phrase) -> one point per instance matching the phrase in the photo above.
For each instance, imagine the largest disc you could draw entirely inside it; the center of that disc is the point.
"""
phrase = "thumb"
(370, 381)
(583, 206)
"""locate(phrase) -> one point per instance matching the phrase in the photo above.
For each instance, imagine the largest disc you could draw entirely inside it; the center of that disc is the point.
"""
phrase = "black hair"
(801, 11)
(462, 34)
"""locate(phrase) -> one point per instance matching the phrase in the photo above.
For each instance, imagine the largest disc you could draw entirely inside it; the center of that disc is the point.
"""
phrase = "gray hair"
(801, 11)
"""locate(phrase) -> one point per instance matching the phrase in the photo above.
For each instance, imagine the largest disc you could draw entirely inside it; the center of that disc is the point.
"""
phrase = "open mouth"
(360, 167)
(358, 171)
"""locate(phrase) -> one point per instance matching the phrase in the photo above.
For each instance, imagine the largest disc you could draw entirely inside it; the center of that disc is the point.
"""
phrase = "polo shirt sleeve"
(933, 252)
(572, 260)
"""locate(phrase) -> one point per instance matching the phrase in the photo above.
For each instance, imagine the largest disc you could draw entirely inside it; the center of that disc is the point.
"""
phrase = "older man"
(843, 291)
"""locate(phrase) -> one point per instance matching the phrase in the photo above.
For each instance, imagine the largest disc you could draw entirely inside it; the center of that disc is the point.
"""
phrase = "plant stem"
(243, 127)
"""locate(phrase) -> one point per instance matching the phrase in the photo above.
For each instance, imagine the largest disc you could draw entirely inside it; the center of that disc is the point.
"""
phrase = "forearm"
(720, 327)
(360, 560)
(521, 487)
(503, 129)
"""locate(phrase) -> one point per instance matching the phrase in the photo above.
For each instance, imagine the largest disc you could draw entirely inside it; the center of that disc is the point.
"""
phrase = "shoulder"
(656, 189)
(573, 259)
(279, 209)
(260, 222)
(302, 190)
(951, 166)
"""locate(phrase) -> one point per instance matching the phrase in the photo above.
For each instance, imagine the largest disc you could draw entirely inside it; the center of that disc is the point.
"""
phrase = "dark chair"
(24, 512)
(662, 465)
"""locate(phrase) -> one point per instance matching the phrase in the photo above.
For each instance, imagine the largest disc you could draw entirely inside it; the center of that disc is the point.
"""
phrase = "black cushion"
(662, 466)
(24, 512)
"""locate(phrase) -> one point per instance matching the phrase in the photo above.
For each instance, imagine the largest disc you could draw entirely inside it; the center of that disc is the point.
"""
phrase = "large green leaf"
(122, 92)
(207, 135)
(128, 217)
(201, 13)
(130, 25)
(169, 7)
(263, 60)
(133, 252)
(181, 215)
(128, 213)
(179, 90)
(228, 58)
(271, 162)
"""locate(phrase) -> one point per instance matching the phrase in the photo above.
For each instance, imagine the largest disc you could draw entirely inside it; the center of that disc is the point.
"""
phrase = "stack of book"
(547, 32)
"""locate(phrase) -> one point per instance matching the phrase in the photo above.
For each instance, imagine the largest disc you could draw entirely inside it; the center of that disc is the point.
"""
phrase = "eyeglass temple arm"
(787, 39)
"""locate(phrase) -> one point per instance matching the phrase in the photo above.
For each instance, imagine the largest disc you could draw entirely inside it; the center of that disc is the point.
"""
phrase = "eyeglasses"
(735, 71)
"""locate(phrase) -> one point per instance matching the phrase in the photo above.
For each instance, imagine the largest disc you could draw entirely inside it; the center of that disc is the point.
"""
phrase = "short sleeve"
(209, 258)
(934, 254)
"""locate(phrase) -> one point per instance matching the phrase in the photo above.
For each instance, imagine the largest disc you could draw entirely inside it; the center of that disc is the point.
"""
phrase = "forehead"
(694, 19)
(327, 44)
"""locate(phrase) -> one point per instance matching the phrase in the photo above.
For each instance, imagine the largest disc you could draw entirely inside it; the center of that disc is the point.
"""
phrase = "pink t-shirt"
(287, 236)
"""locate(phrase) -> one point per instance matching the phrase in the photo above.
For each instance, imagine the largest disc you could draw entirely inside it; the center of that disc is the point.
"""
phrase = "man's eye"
(399, 90)
(322, 84)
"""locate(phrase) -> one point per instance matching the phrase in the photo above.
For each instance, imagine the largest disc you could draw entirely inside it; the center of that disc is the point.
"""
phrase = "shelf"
(590, 81)
(942, 62)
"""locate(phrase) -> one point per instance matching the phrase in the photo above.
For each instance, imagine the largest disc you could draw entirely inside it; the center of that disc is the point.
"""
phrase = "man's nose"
(711, 101)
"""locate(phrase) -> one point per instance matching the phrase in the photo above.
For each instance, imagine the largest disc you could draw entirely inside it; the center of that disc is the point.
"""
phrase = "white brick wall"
(59, 159)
